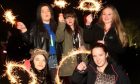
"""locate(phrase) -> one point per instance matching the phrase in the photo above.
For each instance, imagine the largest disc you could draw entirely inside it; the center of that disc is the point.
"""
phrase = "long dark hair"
(71, 13)
(39, 21)
(42, 75)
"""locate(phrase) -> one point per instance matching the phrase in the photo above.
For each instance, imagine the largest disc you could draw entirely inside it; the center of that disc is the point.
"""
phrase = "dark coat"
(89, 75)
(37, 38)
(67, 43)
(95, 32)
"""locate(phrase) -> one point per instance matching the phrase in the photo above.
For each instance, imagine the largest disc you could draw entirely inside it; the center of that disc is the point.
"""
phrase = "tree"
(133, 32)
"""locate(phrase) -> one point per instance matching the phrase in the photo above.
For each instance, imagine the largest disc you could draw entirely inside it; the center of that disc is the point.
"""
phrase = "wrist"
(23, 30)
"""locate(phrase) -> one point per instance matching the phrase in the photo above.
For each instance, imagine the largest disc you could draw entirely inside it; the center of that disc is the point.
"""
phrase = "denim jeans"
(52, 61)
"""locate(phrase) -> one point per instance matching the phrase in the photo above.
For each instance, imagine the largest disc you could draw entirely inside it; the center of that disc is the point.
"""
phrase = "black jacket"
(89, 75)
(37, 38)
(95, 32)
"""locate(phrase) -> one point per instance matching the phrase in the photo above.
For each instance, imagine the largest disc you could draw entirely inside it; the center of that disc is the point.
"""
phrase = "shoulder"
(98, 26)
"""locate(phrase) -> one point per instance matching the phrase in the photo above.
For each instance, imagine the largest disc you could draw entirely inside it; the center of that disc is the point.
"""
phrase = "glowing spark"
(90, 5)
(15, 78)
(9, 17)
(71, 54)
(2, 7)
(60, 3)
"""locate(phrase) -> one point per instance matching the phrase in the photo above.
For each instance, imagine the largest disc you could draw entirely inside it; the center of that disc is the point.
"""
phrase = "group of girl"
(105, 38)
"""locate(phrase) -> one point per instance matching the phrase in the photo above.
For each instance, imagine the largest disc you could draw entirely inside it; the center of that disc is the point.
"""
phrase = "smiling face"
(45, 14)
(39, 62)
(107, 15)
(99, 56)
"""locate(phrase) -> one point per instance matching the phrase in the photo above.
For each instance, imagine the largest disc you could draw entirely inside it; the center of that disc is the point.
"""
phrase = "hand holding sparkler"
(21, 26)
(82, 66)
(70, 54)
(61, 18)
(101, 41)
(89, 19)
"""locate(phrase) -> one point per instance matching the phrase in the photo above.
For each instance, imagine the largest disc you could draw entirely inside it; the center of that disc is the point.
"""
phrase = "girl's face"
(107, 15)
(39, 62)
(45, 14)
(99, 56)
(70, 21)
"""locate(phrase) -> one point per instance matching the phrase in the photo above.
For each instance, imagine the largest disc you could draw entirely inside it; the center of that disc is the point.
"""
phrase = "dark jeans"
(53, 74)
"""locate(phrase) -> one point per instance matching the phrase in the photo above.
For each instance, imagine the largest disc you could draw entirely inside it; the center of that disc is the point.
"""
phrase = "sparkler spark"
(71, 54)
(90, 5)
(60, 3)
(15, 78)
(9, 17)
(2, 7)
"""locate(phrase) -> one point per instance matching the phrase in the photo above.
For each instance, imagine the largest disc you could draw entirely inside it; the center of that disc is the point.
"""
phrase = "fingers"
(82, 66)
(82, 48)
(61, 18)
(21, 27)
(89, 19)
(101, 41)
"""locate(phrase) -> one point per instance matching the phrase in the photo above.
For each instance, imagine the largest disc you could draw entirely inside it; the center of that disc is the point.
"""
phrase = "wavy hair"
(117, 23)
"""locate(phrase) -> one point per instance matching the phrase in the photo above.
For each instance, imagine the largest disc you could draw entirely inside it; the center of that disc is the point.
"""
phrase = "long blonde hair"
(117, 23)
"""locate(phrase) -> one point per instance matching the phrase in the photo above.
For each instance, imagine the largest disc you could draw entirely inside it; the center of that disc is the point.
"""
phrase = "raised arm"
(60, 28)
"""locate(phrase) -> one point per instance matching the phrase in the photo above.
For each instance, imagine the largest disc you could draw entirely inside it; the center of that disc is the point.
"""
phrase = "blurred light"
(4, 51)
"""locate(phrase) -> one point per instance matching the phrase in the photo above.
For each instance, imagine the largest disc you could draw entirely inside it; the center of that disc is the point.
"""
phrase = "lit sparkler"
(90, 5)
(60, 3)
(9, 17)
(2, 7)
(71, 54)
(15, 78)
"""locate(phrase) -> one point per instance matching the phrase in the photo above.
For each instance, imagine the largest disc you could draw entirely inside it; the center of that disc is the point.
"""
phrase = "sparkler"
(15, 78)
(90, 5)
(9, 17)
(71, 54)
(60, 3)
(2, 7)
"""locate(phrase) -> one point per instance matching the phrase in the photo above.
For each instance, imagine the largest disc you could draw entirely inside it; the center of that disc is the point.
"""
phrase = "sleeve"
(28, 36)
(113, 43)
(60, 32)
(87, 34)
(92, 34)
(79, 77)
(81, 36)
(122, 76)
(27, 64)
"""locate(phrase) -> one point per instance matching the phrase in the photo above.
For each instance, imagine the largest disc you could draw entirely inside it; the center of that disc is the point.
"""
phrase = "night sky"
(25, 10)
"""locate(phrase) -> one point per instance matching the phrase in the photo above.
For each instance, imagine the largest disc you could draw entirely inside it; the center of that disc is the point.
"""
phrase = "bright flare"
(71, 54)
(15, 78)
(9, 17)
(90, 5)
(60, 3)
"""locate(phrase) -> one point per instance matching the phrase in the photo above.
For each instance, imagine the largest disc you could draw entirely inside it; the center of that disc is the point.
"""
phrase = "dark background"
(25, 10)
